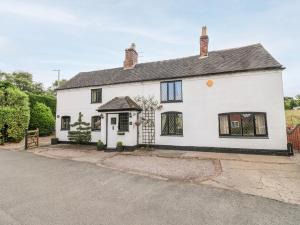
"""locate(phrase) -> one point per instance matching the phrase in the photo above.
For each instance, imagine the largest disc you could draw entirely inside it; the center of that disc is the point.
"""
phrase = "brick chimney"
(131, 57)
(204, 43)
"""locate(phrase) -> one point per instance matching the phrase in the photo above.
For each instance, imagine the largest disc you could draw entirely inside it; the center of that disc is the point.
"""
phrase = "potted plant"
(120, 146)
(100, 145)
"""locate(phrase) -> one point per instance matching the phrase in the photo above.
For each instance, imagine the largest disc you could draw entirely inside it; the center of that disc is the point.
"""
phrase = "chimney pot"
(204, 43)
(131, 57)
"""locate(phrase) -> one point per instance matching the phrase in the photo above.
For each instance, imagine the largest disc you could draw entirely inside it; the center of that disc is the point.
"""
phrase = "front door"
(112, 130)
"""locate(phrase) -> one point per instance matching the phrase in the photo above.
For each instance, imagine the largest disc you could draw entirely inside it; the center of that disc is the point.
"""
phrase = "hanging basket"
(137, 123)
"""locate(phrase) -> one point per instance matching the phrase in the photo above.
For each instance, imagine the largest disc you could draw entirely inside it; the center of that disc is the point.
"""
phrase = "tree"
(54, 85)
(23, 81)
(82, 134)
(149, 106)
(48, 100)
(14, 112)
(41, 117)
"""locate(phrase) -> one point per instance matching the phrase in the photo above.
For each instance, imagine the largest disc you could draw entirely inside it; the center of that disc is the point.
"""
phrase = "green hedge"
(14, 112)
(49, 101)
(41, 117)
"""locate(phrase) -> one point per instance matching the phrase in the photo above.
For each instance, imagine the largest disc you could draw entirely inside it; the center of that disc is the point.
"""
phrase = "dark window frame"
(61, 122)
(241, 124)
(120, 127)
(97, 100)
(93, 125)
(167, 121)
(174, 86)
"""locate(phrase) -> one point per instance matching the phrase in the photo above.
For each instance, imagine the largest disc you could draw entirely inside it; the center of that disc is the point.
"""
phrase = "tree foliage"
(23, 81)
(82, 134)
(41, 117)
(51, 89)
(48, 100)
(290, 102)
(14, 112)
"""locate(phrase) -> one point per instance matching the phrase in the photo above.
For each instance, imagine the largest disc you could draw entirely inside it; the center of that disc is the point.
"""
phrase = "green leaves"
(82, 132)
(14, 111)
(41, 117)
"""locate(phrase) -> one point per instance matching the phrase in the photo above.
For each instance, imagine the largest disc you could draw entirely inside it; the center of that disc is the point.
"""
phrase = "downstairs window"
(245, 124)
(123, 122)
(65, 122)
(171, 123)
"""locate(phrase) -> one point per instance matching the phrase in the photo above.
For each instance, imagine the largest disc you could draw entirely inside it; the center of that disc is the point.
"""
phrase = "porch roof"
(120, 104)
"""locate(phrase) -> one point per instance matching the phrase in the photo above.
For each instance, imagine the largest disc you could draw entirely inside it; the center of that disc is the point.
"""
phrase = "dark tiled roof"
(118, 104)
(252, 57)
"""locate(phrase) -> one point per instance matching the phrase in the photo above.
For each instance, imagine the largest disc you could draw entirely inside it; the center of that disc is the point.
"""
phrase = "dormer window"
(96, 95)
(171, 91)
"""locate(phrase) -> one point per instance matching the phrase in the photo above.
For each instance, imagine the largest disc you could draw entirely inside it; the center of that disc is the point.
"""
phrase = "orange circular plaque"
(209, 83)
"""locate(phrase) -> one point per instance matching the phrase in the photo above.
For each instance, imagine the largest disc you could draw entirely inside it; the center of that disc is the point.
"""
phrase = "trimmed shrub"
(41, 117)
(82, 134)
(14, 113)
(120, 146)
(48, 100)
(100, 145)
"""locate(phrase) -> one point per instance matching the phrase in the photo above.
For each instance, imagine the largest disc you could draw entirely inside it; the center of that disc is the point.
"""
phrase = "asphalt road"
(38, 191)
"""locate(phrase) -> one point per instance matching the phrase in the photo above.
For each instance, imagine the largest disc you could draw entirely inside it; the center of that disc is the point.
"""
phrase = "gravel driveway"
(171, 168)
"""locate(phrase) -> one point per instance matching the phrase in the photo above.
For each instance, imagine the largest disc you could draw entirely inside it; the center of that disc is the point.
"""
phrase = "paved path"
(36, 190)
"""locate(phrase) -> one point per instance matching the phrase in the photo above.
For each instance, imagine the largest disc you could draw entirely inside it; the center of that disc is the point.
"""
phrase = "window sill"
(171, 135)
(96, 102)
(64, 129)
(245, 137)
(176, 101)
(96, 130)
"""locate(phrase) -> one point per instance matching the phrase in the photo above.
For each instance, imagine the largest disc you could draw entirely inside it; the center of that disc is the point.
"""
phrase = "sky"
(74, 35)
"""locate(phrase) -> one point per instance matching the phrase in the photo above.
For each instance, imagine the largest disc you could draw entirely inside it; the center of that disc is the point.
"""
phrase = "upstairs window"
(123, 122)
(253, 124)
(96, 95)
(171, 123)
(171, 91)
(65, 122)
(96, 123)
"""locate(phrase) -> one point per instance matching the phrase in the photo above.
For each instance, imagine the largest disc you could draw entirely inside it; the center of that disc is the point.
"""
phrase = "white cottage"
(227, 100)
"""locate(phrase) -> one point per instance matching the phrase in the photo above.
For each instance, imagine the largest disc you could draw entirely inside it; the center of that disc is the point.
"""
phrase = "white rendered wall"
(247, 92)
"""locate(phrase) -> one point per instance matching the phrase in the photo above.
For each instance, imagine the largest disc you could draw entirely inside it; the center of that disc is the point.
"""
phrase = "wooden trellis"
(148, 127)
(31, 139)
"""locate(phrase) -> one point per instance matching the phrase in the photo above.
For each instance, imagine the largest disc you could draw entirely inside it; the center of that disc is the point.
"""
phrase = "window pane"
(65, 123)
(223, 123)
(171, 91)
(179, 127)
(99, 97)
(164, 91)
(260, 124)
(123, 122)
(96, 95)
(178, 90)
(235, 124)
(96, 123)
(164, 124)
(93, 96)
(172, 123)
(248, 124)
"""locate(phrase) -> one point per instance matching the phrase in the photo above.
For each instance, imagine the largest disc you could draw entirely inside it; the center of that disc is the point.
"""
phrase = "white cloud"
(5, 44)
(152, 34)
(39, 12)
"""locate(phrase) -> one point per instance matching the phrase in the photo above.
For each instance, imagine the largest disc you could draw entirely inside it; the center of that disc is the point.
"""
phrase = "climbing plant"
(149, 105)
